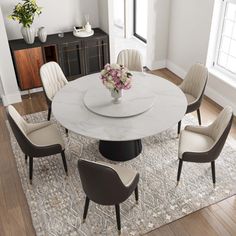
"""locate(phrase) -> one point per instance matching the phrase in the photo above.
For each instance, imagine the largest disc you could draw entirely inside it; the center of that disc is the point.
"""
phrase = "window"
(140, 19)
(225, 59)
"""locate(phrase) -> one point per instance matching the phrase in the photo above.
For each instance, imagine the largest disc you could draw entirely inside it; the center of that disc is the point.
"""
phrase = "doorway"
(123, 32)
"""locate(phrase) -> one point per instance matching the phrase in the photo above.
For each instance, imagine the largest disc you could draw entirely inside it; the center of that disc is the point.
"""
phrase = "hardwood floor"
(15, 219)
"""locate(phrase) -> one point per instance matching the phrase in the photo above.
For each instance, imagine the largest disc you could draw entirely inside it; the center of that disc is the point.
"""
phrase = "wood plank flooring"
(15, 219)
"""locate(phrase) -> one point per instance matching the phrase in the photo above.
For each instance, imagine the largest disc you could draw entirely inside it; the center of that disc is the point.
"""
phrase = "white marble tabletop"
(168, 108)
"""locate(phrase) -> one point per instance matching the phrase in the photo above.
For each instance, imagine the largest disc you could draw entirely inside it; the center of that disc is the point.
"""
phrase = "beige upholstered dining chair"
(53, 79)
(204, 144)
(36, 139)
(193, 87)
(131, 59)
(107, 184)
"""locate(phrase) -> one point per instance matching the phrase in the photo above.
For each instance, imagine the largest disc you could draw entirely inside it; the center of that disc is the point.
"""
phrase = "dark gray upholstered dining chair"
(36, 139)
(204, 144)
(107, 184)
(193, 86)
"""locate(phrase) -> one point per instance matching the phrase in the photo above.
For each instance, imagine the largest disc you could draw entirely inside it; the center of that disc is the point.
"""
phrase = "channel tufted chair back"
(222, 123)
(195, 81)
(131, 59)
(193, 86)
(53, 79)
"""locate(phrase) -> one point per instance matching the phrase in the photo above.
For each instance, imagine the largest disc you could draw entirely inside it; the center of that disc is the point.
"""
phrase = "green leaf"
(25, 13)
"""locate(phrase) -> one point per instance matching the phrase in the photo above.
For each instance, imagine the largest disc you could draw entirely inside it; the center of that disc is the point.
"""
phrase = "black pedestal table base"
(120, 150)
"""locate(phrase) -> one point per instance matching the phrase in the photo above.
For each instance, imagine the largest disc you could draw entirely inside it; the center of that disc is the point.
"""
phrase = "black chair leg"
(64, 161)
(67, 131)
(199, 116)
(26, 157)
(86, 206)
(179, 127)
(118, 217)
(49, 113)
(30, 169)
(213, 172)
(136, 194)
(179, 171)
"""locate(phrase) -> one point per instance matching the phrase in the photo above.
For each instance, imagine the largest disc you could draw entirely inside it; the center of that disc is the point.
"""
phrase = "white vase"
(42, 34)
(116, 95)
(88, 27)
(28, 34)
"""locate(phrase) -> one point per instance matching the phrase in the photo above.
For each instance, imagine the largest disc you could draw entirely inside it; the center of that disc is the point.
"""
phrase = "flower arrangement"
(25, 12)
(116, 77)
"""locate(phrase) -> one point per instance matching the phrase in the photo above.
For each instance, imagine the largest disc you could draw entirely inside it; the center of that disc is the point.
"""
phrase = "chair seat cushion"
(190, 99)
(194, 142)
(46, 136)
(126, 175)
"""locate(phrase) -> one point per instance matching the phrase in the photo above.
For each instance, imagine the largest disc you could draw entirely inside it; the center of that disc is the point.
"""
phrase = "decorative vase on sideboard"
(28, 34)
(42, 34)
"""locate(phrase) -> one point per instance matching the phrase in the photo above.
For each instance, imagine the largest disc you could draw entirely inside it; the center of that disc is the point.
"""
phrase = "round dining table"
(150, 106)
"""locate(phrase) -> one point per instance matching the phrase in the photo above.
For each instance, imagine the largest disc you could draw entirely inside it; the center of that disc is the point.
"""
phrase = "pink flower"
(107, 67)
(113, 73)
(116, 77)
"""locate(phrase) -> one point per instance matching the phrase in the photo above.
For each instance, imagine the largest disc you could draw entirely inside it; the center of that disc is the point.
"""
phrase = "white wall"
(119, 13)
(56, 15)
(90, 7)
(190, 23)
(9, 89)
(103, 14)
(158, 31)
(189, 33)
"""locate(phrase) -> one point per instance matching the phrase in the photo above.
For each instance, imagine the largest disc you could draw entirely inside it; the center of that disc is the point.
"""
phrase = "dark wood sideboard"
(76, 56)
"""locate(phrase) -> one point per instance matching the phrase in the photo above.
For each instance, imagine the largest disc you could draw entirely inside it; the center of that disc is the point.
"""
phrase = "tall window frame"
(222, 56)
(135, 22)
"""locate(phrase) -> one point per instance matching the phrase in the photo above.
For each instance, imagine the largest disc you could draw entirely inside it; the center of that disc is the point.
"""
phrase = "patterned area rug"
(56, 202)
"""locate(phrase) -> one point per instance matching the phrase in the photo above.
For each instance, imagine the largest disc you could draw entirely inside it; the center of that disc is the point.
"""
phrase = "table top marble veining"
(167, 105)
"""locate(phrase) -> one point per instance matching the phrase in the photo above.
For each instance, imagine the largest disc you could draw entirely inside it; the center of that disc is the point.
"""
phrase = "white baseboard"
(11, 98)
(16, 97)
(176, 69)
(156, 65)
(36, 90)
(219, 99)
